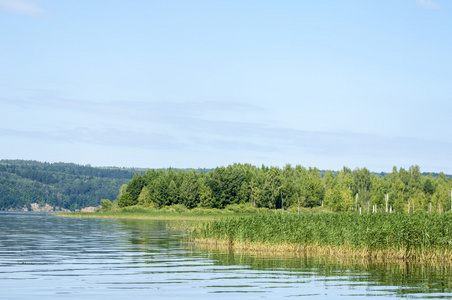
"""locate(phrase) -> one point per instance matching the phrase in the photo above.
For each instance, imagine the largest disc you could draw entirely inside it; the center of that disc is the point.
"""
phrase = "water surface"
(46, 257)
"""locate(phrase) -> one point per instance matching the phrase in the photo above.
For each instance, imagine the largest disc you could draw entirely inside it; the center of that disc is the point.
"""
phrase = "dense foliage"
(291, 188)
(407, 233)
(61, 185)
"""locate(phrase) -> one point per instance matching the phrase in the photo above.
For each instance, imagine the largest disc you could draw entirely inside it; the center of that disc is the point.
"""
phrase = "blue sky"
(194, 83)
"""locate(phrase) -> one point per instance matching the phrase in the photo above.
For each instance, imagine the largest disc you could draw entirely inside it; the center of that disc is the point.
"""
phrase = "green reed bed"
(416, 236)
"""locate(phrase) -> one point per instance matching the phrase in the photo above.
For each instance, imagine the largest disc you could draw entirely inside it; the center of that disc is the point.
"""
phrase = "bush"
(136, 209)
(107, 205)
(179, 208)
(241, 208)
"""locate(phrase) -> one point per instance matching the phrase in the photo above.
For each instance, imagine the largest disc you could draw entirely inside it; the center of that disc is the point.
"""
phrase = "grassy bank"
(178, 212)
(145, 215)
(173, 212)
(419, 236)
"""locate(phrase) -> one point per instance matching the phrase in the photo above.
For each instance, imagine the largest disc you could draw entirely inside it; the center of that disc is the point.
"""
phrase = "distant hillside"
(63, 185)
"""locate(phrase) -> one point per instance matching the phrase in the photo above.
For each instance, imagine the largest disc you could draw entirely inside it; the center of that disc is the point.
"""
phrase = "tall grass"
(416, 236)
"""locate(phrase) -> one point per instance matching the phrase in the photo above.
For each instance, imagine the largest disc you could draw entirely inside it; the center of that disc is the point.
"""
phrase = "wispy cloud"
(269, 144)
(106, 137)
(192, 128)
(195, 123)
(427, 4)
(24, 7)
(182, 113)
(137, 109)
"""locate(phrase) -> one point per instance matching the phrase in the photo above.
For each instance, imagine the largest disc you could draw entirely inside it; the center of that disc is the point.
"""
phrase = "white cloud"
(25, 7)
(427, 4)
(184, 114)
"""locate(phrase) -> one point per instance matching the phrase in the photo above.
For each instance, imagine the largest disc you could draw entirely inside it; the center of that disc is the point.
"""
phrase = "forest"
(62, 185)
(291, 188)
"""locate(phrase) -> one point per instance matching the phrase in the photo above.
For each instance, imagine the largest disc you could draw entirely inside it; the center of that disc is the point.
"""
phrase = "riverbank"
(168, 216)
(168, 213)
(176, 212)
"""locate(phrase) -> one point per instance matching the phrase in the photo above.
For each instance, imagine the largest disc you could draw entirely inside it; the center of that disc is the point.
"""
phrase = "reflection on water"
(44, 257)
(400, 279)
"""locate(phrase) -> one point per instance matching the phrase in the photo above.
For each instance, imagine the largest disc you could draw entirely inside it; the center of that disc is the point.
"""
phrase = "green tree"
(396, 197)
(271, 188)
(214, 180)
(134, 187)
(333, 197)
(126, 200)
(415, 183)
(314, 188)
(362, 185)
(189, 189)
(441, 199)
(347, 200)
(206, 198)
(328, 180)
(144, 199)
(428, 186)
(378, 192)
(173, 192)
(233, 178)
(417, 202)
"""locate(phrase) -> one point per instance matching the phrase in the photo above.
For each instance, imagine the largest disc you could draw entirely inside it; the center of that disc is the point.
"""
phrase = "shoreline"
(164, 216)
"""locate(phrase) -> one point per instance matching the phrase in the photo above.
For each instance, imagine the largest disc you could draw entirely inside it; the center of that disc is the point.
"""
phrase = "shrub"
(107, 205)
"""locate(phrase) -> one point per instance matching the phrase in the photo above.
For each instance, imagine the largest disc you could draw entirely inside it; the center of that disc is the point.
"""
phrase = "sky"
(201, 84)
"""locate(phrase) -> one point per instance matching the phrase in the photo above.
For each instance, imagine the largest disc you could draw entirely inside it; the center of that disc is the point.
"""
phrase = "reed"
(418, 236)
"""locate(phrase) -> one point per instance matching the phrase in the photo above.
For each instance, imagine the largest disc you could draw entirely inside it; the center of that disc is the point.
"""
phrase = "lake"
(47, 257)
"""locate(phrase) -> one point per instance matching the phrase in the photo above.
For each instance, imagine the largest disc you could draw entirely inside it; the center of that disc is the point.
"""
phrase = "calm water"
(45, 257)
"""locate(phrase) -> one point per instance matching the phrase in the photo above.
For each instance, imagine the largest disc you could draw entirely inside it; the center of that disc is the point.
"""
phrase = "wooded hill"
(291, 187)
(62, 185)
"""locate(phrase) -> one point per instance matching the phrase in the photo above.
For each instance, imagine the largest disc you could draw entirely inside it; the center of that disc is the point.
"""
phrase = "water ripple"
(45, 257)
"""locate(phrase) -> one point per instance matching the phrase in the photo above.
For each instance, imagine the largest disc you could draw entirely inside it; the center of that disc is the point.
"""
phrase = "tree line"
(291, 188)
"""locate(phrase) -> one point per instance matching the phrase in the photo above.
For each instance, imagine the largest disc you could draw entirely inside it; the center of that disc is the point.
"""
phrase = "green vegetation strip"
(147, 214)
(419, 236)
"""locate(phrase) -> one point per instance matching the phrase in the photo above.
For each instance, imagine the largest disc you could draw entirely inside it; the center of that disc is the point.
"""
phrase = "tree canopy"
(275, 188)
